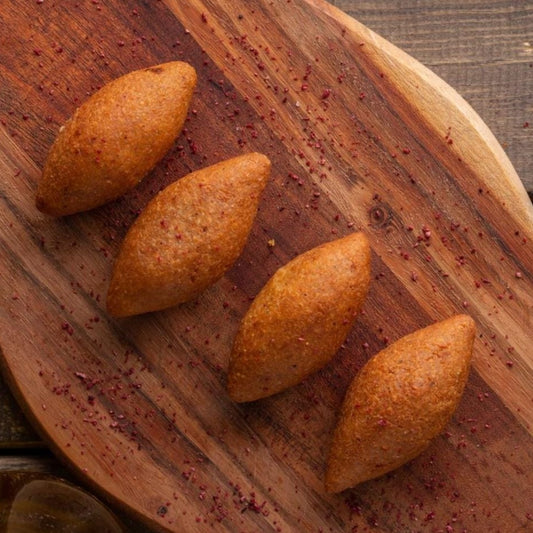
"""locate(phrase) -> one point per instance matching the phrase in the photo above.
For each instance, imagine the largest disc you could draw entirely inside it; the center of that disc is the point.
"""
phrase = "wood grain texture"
(138, 408)
(15, 430)
(46, 464)
(482, 49)
(489, 63)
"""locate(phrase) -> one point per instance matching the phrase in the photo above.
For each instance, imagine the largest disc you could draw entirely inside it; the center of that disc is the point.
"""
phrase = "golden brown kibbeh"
(300, 318)
(115, 138)
(401, 399)
(187, 236)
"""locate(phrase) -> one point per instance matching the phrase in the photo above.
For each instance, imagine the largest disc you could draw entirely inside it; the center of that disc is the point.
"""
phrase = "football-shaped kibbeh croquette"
(115, 138)
(192, 232)
(300, 318)
(188, 236)
(400, 400)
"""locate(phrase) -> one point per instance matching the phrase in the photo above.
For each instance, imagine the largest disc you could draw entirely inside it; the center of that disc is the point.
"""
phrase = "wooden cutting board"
(361, 136)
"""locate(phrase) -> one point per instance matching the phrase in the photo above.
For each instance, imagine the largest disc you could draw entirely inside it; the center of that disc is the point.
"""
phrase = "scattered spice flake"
(189, 474)
(271, 243)
(65, 326)
(251, 504)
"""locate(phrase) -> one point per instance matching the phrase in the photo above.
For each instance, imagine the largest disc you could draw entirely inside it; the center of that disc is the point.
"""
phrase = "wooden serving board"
(361, 136)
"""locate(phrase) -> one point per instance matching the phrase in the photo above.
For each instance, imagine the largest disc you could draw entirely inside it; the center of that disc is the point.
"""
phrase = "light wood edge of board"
(106, 493)
(431, 100)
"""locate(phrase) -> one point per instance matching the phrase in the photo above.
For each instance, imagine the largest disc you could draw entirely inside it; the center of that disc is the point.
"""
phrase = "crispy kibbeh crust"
(401, 399)
(188, 236)
(115, 138)
(300, 319)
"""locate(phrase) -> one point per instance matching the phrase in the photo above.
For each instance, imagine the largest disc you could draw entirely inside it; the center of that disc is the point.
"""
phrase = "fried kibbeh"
(115, 138)
(188, 236)
(400, 400)
(300, 318)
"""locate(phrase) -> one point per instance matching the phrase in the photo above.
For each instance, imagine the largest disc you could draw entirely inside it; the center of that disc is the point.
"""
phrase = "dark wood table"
(483, 49)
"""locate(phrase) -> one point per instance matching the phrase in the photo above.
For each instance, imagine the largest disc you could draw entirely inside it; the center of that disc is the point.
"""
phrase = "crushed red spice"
(65, 326)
